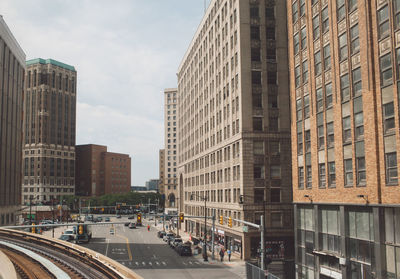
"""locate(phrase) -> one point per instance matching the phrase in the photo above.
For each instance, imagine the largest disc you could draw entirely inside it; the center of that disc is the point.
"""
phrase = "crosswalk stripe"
(150, 263)
(164, 263)
(157, 263)
(190, 262)
(136, 263)
(143, 263)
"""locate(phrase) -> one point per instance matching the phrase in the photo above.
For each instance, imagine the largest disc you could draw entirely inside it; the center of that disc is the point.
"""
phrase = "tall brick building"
(12, 71)
(234, 128)
(49, 130)
(99, 172)
(344, 61)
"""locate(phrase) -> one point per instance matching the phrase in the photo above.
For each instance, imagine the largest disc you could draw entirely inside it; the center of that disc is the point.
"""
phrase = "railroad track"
(37, 257)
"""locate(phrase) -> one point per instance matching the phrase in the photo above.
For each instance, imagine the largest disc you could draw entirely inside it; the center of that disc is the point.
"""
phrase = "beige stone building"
(344, 66)
(234, 127)
(12, 71)
(170, 147)
(49, 130)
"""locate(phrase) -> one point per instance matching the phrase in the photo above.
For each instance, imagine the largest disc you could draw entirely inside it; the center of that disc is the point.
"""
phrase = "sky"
(125, 52)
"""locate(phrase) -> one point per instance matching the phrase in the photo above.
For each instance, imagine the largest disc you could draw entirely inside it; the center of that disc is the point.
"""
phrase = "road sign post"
(212, 236)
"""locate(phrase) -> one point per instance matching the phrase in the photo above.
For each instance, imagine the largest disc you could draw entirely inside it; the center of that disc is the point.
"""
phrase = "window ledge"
(392, 184)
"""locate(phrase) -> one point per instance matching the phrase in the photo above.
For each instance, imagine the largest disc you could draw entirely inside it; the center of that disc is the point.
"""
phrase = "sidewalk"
(235, 262)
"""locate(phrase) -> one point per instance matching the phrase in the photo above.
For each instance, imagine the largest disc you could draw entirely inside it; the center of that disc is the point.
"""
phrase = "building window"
(343, 46)
(327, 57)
(302, 7)
(348, 172)
(340, 9)
(306, 106)
(305, 71)
(345, 87)
(255, 33)
(383, 22)
(301, 178)
(275, 195)
(388, 117)
(315, 23)
(309, 177)
(258, 172)
(320, 100)
(256, 77)
(346, 129)
(295, 11)
(325, 20)
(321, 137)
(358, 118)
(357, 83)
(391, 168)
(352, 5)
(297, 76)
(296, 43)
(328, 95)
(275, 171)
(322, 176)
(331, 174)
(257, 124)
(317, 63)
(355, 42)
(360, 168)
(299, 108)
(303, 34)
(397, 13)
(276, 219)
(386, 69)
(255, 54)
(258, 148)
(299, 143)
(307, 138)
(330, 135)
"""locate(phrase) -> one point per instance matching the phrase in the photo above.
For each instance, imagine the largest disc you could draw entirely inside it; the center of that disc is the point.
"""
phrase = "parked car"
(99, 219)
(132, 225)
(131, 217)
(168, 236)
(127, 224)
(118, 216)
(161, 234)
(107, 219)
(67, 237)
(184, 250)
(175, 242)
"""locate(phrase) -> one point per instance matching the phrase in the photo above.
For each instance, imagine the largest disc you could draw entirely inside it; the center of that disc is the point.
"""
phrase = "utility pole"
(52, 213)
(262, 242)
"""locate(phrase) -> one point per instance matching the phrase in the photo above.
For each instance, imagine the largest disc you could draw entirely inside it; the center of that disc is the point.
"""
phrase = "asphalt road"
(149, 256)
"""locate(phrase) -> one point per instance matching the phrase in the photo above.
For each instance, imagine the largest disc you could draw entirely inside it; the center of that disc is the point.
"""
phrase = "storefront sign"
(221, 232)
(330, 273)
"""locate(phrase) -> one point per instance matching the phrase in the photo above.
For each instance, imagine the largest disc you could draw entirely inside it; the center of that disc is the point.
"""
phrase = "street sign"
(245, 229)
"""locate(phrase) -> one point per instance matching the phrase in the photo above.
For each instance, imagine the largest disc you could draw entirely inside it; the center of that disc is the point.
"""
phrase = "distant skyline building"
(234, 129)
(152, 185)
(49, 130)
(344, 59)
(170, 147)
(99, 172)
(12, 71)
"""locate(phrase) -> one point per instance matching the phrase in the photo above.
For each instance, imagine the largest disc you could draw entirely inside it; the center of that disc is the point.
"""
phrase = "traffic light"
(80, 229)
(181, 217)
(33, 228)
(102, 209)
(221, 219)
(230, 222)
(139, 218)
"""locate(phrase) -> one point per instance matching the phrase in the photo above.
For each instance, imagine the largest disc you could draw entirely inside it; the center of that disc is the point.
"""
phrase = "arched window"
(66, 83)
(53, 80)
(34, 78)
(73, 85)
(59, 81)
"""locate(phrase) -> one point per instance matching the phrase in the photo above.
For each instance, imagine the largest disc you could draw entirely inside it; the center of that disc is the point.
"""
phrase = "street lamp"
(205, 256)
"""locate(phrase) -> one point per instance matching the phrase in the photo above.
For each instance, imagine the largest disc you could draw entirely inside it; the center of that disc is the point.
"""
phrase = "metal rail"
(89, 263)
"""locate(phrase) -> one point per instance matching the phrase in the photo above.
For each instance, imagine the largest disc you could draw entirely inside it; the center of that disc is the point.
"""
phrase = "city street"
(151, 257)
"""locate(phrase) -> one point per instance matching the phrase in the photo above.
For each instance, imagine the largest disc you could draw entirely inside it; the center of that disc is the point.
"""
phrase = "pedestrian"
(229, 254)
(221, 254)
(148, 227)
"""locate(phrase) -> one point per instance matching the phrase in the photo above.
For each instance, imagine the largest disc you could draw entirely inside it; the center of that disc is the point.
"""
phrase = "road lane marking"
(157, 263)
(150, 263)
(143, 263)
(136, 263)
(127, 244)
(164, 263)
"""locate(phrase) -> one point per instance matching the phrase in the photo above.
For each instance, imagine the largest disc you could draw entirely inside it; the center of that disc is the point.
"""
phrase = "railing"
(254, 272)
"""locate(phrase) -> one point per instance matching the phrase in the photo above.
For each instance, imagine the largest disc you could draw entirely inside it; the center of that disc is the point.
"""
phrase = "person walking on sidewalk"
(229, 252)
(221, 254)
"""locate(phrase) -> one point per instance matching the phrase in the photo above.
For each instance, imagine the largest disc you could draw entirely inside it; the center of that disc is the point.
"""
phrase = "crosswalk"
(137, 264)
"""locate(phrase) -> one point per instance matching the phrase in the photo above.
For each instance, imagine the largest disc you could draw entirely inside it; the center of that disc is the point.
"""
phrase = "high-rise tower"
(49, 130)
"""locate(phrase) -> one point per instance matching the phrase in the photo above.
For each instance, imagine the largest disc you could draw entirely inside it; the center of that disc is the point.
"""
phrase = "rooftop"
(50, 61)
